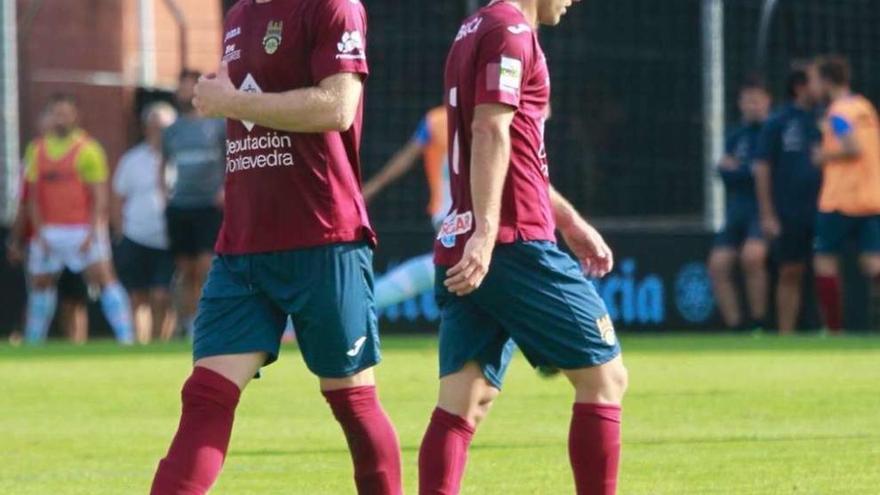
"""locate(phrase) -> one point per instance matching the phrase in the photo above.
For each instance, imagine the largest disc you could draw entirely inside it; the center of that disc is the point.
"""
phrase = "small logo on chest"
(272, 39)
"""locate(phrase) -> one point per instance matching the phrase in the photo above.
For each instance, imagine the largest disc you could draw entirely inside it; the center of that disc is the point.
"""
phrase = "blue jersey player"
(740, 238)
(787, 185)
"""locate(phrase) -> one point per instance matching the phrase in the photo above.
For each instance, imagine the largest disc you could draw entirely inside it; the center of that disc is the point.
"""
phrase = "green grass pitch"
(704, 415)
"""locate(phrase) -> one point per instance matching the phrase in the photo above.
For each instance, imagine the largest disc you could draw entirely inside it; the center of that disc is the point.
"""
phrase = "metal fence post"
(9, 155)
(712, 23)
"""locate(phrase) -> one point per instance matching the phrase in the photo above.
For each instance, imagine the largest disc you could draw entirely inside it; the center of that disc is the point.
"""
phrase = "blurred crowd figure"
(800, 185)
(157, 218)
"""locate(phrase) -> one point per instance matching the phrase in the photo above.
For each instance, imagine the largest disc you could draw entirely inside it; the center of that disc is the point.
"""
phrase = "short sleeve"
(423, 133)
(30, 163)
(340, 40)
(503, 57)
(92, 163)
(120, 177)
(840, 125)
(768, 140)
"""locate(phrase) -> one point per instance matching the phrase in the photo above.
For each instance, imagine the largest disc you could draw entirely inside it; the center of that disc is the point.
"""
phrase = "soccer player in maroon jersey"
(500, 276)
(295, 238)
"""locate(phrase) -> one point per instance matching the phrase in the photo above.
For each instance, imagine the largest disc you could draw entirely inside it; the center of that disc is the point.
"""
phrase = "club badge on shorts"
(272, 40)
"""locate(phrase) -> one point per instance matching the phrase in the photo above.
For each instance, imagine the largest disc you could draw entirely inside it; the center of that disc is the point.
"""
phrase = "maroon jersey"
(287, 190)
(496, 58)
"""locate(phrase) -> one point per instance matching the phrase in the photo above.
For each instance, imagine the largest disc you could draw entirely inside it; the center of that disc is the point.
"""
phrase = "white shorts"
(64, 243)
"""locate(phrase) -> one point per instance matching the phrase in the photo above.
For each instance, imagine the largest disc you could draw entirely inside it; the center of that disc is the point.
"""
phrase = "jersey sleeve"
(423, 133)
(120, 176)
(92, 163)
(503, 57)
(340, 42)
(30, 163)
(840, 125)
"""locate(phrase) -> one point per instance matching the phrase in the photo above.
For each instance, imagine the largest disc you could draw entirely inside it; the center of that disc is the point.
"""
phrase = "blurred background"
(643, 93)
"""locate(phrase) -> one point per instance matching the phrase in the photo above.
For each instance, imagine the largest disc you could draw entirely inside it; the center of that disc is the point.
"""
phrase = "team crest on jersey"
(606, 330)
(454, 225)
(272, 40)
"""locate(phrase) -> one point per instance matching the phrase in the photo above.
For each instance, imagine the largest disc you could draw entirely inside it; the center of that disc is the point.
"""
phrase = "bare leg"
(753, 260)
(721, 262)
(788, 296)
(142, 319)
(871, 268)
(164, 318)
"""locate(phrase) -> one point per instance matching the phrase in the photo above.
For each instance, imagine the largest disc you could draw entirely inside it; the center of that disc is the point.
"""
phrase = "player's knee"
(871, 266)
(719, 266)
(481, 406)
(791, 275)
(605, 384)
(753, 260)
(825, 266)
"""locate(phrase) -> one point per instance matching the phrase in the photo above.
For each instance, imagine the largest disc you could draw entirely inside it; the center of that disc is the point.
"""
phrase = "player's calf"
(372, 440)
(594, 436)
(209, 397)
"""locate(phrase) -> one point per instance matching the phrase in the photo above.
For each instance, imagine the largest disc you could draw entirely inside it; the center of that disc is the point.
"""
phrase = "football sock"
(443, 454)
(375, 451)
(594, 448)
(830, 301)
(405, 281)
(199, 447)
(117, 310)
(40, 311)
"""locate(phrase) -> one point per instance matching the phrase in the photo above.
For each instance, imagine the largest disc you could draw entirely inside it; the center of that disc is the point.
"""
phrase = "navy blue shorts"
(327, 291)
(795, 242)
(141, 267)
(535, 297)
(834, 229)
(741, 223)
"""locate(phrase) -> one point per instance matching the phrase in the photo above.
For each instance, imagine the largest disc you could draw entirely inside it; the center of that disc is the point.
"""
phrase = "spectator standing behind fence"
(741, 235)
(849, 203)
(787, 185)
(193, 149)
(143, 260)
(67, 173)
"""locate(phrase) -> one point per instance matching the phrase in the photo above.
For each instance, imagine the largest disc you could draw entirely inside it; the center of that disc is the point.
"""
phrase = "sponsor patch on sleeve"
(510, 75)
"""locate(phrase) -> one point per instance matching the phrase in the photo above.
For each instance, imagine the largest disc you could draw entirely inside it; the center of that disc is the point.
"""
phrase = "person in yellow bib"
(849, 203)
(67, 174)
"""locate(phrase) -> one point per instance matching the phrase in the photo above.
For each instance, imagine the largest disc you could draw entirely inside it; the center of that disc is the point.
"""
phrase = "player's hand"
(14, 252)
(212, 93)
(770, 226)
(728, 163)
(467, 275)
(589, 248)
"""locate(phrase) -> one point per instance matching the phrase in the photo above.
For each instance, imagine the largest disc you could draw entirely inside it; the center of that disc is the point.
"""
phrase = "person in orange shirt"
(416, 275)
(849, 203)
(67, 172)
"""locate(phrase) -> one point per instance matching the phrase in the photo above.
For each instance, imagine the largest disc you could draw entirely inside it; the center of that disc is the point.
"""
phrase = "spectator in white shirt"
(144, 263)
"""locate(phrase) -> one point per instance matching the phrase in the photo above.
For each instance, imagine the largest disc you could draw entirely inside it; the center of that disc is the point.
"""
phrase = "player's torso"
(853, 186)
(796, 179)
(525, 212)
(62, 195)
(742, 146)
(286, 190)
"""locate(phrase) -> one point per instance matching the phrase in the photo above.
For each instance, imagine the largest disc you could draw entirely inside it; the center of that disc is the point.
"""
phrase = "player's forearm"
(764, 189)
(116, 213)
(400, 163)
(490, 159)
(563, 212)
(100, 205)
(315, 109)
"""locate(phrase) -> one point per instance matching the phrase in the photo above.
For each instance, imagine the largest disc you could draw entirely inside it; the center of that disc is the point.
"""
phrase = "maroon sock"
(443, 455)
(372, 440)
(830, 301)
(199, 447)
(594, 448)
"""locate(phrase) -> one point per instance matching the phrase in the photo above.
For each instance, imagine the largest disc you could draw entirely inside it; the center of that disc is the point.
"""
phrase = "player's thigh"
(43, 259)
(100, 273)
(237, 368)
(328, 291)
(721, 260)
(603, 384)
(469, 335)
(234, 317)
(753, 255)
(832, 231)
(541, 297)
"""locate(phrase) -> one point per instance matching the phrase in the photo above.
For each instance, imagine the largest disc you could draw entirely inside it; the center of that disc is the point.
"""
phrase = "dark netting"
(803, 29)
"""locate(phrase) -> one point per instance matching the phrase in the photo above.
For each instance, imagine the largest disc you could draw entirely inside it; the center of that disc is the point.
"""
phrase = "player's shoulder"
(495, 21)
(334, 6)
